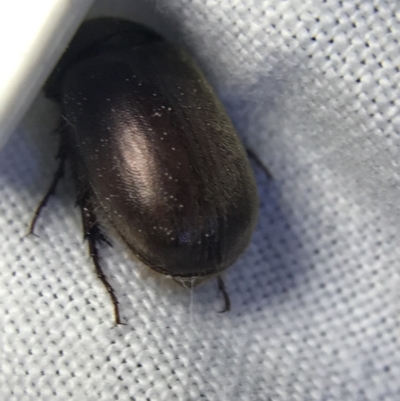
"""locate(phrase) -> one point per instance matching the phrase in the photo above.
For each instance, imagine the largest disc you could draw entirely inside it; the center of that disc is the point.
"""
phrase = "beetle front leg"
(62, 155)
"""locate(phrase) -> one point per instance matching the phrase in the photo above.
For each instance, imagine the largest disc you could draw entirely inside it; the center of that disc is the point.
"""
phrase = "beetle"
(153, 152)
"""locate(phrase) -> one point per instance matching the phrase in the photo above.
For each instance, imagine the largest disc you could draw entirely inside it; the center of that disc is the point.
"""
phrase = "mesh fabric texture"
(313, 89)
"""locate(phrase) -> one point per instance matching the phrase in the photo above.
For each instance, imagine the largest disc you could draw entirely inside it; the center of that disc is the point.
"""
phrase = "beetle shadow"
(273, 263)
(276, 260)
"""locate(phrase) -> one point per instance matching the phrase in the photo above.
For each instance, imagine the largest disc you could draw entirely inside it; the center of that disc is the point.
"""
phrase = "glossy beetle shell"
(151, 144)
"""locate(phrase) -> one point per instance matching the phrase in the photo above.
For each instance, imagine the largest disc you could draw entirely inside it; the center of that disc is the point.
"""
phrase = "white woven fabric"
(313, 88)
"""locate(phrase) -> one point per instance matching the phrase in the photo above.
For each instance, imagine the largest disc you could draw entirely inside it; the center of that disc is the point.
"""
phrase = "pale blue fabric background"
(313, 88)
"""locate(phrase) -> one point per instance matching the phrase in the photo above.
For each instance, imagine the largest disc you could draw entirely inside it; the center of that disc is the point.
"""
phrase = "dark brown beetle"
(152, 148)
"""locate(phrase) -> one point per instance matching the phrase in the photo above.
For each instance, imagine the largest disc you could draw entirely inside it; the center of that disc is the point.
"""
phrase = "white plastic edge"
(33, 35)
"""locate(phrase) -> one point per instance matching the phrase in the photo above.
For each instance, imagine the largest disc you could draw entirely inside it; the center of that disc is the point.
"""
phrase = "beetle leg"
(61, 156)
(93, 235)
(259, 163)
(227, 301)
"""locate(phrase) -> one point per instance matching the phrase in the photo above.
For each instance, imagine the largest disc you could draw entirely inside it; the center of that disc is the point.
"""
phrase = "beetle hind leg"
(225, 295)
(94, 235)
